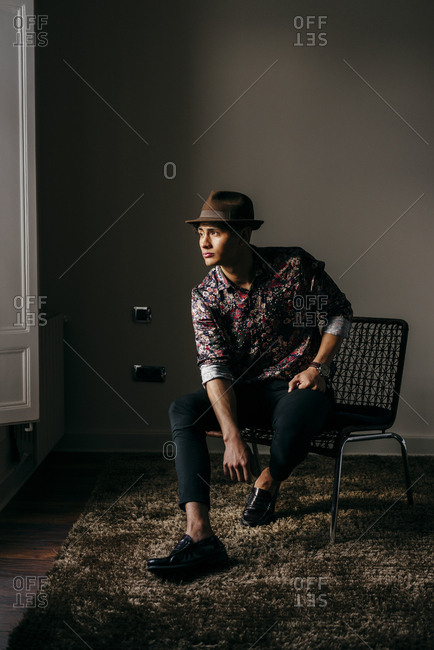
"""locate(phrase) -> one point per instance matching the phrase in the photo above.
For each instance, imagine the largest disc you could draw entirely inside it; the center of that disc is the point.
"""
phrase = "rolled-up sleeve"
(334, 310)
(337, 325)
(212, 350)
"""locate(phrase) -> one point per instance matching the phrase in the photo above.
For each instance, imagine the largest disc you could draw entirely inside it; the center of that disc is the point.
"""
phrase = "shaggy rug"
(285, 585)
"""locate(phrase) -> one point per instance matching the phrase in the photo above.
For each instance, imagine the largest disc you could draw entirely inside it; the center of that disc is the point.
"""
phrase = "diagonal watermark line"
(381, 236)
(206, 482)
(386, 102)
(236, 381)
(105, 102)
(385, 512)
(262, 636)
(383, 382)
(362, 640)
(102, 235)
(76, 634)
(410, 406)
(106, 511)
(106, 382)
(235, 102)
(255, 252)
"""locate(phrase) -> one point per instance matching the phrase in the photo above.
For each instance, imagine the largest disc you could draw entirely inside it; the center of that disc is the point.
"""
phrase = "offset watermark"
(25, 588)
(169, 450)
(308, 310)
(309, 31)
(30, 30)
(310, 591)
(169, 170)
(25, 304)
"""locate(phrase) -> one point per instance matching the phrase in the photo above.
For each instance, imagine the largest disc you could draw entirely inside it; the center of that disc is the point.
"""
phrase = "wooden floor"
(35, 523)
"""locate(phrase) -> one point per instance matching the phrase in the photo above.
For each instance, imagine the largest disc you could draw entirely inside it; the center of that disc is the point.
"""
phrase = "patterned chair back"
(370, 363)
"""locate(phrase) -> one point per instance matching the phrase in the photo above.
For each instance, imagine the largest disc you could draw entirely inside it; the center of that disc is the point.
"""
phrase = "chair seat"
(343, 416)
(346, 415)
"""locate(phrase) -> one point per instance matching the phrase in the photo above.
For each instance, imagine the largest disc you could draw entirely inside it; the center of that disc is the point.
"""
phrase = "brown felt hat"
(230, 207)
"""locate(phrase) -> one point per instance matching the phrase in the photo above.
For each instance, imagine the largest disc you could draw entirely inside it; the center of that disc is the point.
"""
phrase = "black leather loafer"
(188, 554)
(259, 508)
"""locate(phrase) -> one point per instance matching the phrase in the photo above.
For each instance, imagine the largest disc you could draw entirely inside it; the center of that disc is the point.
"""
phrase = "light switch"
(142, 314)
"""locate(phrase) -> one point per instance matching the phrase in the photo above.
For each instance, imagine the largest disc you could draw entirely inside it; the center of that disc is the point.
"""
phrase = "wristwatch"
(323, 369)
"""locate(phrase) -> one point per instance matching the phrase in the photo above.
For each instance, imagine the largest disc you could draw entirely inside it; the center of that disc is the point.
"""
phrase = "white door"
(19, 389)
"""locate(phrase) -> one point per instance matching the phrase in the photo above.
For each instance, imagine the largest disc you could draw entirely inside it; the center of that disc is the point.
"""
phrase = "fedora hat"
(230, 207)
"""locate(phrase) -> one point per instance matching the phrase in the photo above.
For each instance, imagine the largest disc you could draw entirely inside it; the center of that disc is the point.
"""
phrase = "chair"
(366, 384)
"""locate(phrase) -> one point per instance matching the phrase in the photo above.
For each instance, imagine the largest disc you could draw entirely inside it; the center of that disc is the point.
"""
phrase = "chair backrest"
(370, 363)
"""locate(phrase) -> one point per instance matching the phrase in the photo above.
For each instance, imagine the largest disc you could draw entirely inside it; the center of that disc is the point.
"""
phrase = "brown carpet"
(285, 587)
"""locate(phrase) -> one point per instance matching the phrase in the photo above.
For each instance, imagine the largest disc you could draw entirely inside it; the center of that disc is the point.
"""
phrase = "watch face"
(324, 370)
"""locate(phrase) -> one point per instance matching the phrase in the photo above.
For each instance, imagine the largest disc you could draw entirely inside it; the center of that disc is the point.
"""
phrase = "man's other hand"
(309, 378)
(236, 461)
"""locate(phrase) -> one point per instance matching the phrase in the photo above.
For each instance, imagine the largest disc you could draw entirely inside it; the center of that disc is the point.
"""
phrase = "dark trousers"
(296, 417)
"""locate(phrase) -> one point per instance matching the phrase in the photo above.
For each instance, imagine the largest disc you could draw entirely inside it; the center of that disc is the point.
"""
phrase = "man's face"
(218, 246)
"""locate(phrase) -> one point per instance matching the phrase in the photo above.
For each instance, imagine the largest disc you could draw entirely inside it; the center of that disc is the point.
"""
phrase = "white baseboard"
(159, 440)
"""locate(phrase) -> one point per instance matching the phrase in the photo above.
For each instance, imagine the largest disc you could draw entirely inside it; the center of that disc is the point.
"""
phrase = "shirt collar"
(222, 280)
(261, 268)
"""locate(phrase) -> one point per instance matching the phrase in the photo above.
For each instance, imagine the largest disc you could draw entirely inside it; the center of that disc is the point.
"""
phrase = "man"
(267, 323)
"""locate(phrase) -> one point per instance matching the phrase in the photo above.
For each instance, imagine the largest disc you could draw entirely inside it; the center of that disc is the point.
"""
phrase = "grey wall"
(329, 164)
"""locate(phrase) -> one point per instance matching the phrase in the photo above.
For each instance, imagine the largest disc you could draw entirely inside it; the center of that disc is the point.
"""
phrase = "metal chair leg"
(404, 455)
(335, 496)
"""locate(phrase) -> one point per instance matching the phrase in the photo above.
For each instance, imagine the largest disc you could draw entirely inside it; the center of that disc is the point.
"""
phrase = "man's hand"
(236, 461)
(309, 378)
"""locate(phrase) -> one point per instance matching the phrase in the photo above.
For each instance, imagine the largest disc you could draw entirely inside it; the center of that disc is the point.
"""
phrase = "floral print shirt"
(272, 330)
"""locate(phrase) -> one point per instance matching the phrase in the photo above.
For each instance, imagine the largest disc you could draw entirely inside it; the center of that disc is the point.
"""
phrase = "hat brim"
(254, 224)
